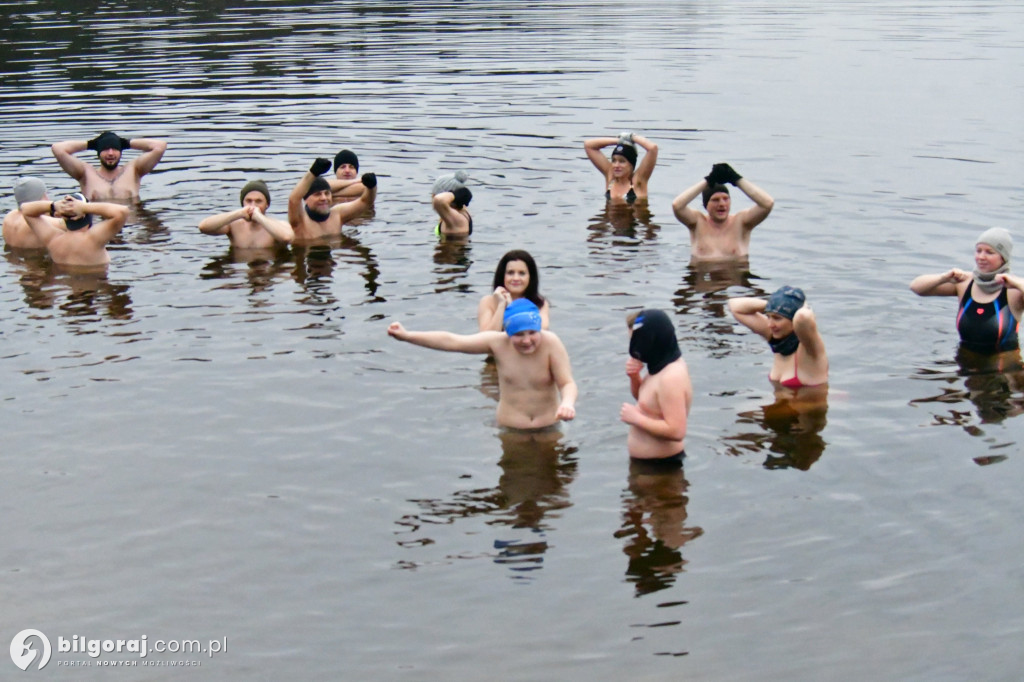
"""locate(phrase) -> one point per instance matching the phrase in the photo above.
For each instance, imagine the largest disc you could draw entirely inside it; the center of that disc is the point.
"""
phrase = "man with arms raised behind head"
(310, 209)
(111, 180)
(534, 375)
(83, 243)
(249, 227)
(719, 234)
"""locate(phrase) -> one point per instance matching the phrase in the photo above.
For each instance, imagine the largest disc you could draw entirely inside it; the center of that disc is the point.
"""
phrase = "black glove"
(369, 180)
(462, 197)
(320, 166)
(125, 143)
(726, 173)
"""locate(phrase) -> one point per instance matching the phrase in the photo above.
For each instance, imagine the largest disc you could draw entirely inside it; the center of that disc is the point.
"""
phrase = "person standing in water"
(16, 231)
(657, 422)
(311, 211)
(111, 180)
(515, 277)
(81, 243)
(346, 185)
(991, 299)
(624, 179)
(249, 227)
(788, 324)
(719, 234)
(534, 374)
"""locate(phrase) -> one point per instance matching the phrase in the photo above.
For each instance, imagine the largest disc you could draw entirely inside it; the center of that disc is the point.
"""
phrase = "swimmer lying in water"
(534, 374)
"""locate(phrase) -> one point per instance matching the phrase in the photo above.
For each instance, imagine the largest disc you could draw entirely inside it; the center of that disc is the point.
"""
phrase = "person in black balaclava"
(658, 419)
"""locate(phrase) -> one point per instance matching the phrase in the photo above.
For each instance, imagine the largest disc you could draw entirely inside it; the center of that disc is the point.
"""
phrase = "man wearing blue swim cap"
(111, 180)
(311, 210)
(534, 374)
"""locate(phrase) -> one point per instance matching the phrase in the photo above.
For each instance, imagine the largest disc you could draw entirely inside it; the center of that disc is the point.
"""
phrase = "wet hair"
(532, 292)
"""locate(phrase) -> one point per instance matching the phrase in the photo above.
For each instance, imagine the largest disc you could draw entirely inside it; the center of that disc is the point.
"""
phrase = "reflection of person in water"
(315, 263)
(623, 223)
(792, 427)
(536, 470)
(994, 384)
(452, 258)
(87, 295)
(654, 526)
(701, 302)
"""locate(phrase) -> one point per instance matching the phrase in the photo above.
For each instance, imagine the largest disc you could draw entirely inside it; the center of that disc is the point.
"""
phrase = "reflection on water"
(992, 384)
(622, 224)
(702, 303)
(536, 470)
(263, 269)
(790, 426)
(654, 526)
(81, 295)
(452, 258)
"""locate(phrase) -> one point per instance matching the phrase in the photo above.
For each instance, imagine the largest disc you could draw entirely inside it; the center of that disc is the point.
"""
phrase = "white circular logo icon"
(23, 655)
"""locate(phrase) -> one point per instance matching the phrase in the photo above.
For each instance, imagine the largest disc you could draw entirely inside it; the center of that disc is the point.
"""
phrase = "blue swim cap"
(522, 315)
(785, 301)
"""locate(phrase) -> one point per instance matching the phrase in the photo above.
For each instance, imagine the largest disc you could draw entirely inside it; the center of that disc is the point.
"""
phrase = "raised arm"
(298, 196)
(113, 215)
(940, 283)
(806, 327)
(593, 148)
(755, 215)
(442, 203)
(152, 152)
(681, 205)
(65, 152)
(490, 312)
(749, 312)
(643, 171)
(351, 209)
(475, 344)
(33, 212)
(278, 229)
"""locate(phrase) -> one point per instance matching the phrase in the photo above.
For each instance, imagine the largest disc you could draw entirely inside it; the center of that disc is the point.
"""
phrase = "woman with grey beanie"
(991, 299)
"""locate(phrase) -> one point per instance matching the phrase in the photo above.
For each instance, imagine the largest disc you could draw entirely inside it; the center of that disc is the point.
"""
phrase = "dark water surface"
(200, 447)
